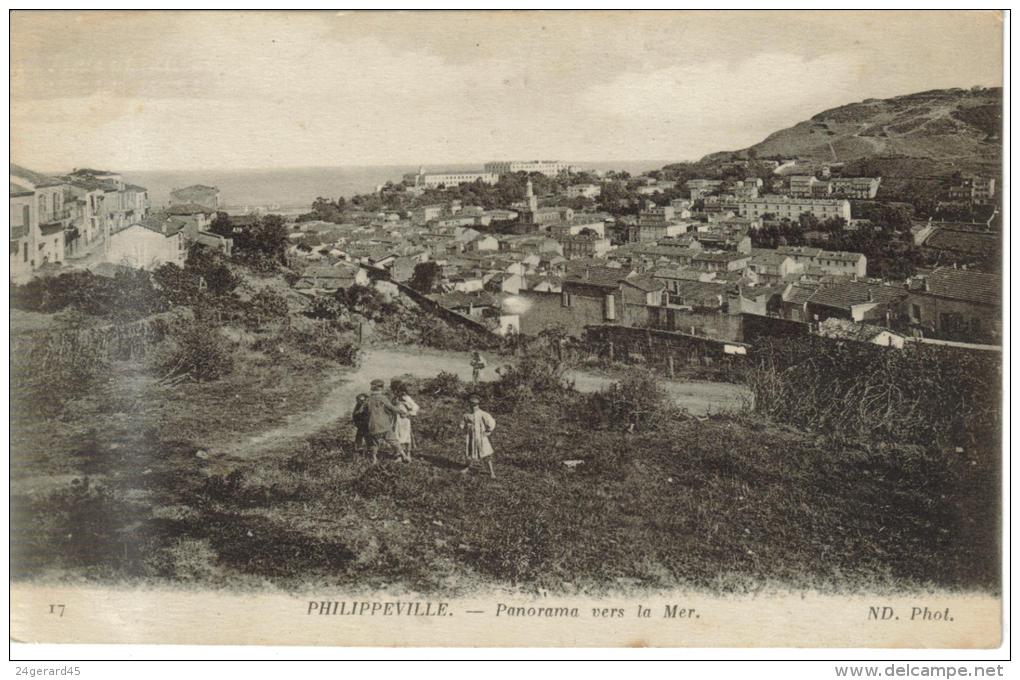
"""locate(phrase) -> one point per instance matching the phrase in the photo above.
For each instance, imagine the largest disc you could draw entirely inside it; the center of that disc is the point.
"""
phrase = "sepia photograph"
(507, 328)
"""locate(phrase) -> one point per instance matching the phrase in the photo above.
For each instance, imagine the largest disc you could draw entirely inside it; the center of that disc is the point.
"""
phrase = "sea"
(291, 190)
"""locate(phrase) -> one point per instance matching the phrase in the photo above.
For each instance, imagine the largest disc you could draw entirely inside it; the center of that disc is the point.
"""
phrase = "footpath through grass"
(728, 503)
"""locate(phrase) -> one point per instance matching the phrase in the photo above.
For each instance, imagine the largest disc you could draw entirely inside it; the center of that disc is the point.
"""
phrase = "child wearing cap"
(478, 425)
(380, 415)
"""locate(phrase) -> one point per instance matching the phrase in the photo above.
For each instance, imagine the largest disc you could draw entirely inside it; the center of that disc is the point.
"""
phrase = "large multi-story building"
(807, 186)
(104, 204)
(855, 187)
(584, 191)
(828, 261)
(587, 244)
(786, 207)
(548, 168)
(38, 220)
(434, 180)
(655, 223)
(700, 188)
(977, 190)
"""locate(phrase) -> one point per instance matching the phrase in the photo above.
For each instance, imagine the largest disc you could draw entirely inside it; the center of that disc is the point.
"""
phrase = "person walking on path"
(406, 410)
(478, 425)
(477, 364)
(360, 419)
(381, 413)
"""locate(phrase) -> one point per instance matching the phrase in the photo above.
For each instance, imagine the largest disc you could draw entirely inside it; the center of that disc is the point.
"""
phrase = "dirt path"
(698, 397)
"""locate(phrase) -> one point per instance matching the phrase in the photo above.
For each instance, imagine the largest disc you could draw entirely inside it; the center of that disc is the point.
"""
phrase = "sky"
(230, 90)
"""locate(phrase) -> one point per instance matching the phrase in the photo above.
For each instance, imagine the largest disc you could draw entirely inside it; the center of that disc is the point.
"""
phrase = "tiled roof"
(849, 330)
(803, 251)
(766, 256)
(840, 255)
(845, 294)
(969, 286)
(700, 293)
(89, 183)
(677, 273)
(644, 282)
(189, 209)
(162, 224)
(721, 257)
(608, 277)
(195, 191)
(457, 298)
(799, 294)
(964, 241)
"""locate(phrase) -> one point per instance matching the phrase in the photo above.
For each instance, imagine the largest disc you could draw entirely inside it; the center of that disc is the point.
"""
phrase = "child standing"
(360, 419)
(477, 364)
(479, 426)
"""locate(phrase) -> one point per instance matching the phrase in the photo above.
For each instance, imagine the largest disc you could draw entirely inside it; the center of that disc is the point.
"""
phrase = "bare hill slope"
(953, 127)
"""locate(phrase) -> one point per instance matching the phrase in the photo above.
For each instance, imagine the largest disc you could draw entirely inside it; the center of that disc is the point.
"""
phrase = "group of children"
(380, 422)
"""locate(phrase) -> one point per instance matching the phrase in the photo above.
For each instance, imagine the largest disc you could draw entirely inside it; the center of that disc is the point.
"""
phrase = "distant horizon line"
(323, 167)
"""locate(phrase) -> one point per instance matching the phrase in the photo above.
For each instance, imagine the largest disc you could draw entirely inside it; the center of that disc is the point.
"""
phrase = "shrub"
(60, 366)
(631, 403)
(129, 295)
(200, 353)
(529, 377)
(919, 394)
(323, 341)
(365, 300)
(265, 306)
(445, 384)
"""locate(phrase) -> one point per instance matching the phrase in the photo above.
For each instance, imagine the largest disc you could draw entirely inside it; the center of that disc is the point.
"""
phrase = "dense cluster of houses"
(90, 217)
(685, 264)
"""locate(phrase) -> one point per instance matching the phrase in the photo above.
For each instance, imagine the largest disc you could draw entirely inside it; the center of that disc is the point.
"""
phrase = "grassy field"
(128, 484)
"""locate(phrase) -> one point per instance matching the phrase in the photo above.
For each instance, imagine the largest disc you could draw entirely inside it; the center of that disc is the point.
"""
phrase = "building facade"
(785, 207)
(434, 180)
(548, 168)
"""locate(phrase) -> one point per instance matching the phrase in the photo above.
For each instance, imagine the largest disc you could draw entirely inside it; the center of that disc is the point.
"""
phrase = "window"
(24, 252)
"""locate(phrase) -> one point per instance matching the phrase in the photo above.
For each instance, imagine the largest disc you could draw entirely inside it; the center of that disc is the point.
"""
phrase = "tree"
(221, 225)
(426, 277)
(268, 236)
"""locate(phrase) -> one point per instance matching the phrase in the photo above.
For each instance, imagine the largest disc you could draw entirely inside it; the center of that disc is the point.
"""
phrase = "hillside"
(939, 130)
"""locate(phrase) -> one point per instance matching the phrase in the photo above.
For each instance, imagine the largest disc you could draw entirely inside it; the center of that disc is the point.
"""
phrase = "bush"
(265, 306)
(529, 377)
(323, 341)
(59, 367)
(631, 403)
(365, 300)
(129, 295)
(200, 353)
(445, 384)
(919, 394)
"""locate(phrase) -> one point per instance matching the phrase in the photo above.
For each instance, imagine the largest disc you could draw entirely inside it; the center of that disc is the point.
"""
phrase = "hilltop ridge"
(941, 130)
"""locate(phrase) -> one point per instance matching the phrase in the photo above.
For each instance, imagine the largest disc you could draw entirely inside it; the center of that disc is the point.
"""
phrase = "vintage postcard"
(310, 346)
